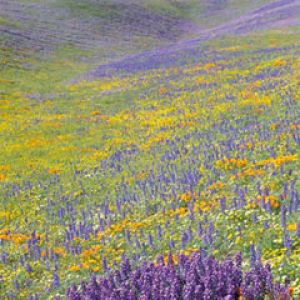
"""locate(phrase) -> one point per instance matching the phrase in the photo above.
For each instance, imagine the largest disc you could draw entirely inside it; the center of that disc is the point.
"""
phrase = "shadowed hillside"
(110, 29)
(103, 31)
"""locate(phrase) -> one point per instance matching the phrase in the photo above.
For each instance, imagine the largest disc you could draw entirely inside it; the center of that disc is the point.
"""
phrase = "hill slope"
(141, 128)
(110, 28)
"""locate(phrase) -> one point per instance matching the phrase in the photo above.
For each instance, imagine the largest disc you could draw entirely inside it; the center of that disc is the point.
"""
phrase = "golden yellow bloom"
(96, 269)
(238, 240)
(59, 251)
(185, 197)
(95, 113)
(208, 66)
(5, 237)
(293, 126)
(162, 90)
(279, 63)
(19, 238)
(92, 261)
(74, 268)
(84, 265)
(180, 211)
(53, 171)
(5, 168)
(36, 143)
(292, 227)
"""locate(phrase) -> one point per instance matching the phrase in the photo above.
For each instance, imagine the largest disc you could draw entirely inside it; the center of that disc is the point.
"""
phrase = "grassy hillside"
(110, 29)
(126, 125)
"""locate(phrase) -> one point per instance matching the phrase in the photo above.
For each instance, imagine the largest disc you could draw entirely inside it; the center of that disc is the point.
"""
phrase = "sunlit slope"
(151, 153)
(105, 152)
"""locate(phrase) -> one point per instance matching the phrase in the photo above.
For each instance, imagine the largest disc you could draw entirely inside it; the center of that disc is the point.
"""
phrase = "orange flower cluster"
(231, 163)
(277, 161)
(188, 196)
(273, 202)
(16, 238)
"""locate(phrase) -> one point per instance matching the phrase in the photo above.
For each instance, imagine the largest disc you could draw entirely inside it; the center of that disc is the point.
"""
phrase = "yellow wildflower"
(292, 227)
(162, 90)
(5, 168)
(84, 265)
(95, 113)
(293, 126)
(74, 268)
(96, 269)
(279, 63)
(53, 171)
(92, 261)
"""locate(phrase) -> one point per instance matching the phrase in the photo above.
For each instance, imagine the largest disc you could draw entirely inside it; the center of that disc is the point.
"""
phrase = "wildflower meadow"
(149, 150)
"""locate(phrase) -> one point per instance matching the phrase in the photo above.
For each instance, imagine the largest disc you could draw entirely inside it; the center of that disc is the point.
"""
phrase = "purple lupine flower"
(136, 240)
(268, 206)
(28, 282)
(254, 218)
(287, 240)
(4, 256)
(16, 285)
(11, 295)
(21, 260)
(150, 240)
(283, 215)
(160, 260)
(222, 205)
(252, 256)
(184, 239)
(208, 239)
(258, 254)
(238, 259)
(55, 280)
(199, 229)
(269, 278)
(198, 277)
(190, 233)
(171, 244)
(265, 224)
(28, 268)
(167, 224)
(159, 233)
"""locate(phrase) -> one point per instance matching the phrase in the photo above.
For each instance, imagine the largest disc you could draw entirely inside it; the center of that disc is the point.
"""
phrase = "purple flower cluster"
(182, 277)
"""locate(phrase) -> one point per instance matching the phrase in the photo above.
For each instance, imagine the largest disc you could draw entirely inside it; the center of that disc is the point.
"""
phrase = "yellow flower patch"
(292, 227)
(74, 268)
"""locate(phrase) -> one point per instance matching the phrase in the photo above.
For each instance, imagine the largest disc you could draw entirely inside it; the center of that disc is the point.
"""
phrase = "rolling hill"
(144, 144)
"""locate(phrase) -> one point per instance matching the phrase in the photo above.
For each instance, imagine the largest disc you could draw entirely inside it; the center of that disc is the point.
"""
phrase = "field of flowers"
(172, 174)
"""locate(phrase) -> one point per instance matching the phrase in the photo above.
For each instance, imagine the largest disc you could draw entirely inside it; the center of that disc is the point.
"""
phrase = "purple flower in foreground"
(252, 256)
(196, 277)
(28, 268)
(55, 281)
